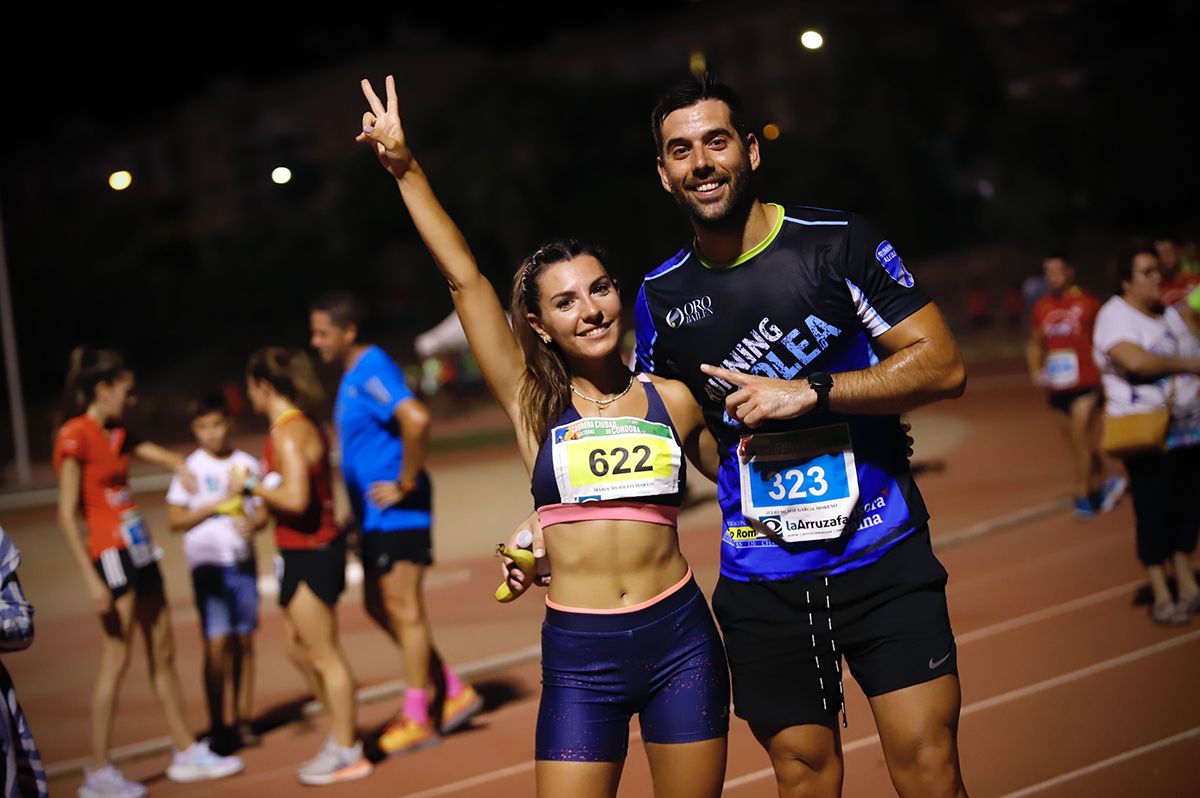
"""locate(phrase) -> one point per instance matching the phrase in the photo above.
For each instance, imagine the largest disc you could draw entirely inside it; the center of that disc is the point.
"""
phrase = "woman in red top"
(297, 490)
(119, 565)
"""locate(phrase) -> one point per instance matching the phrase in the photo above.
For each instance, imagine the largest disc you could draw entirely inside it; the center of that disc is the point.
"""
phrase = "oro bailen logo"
(691, 311)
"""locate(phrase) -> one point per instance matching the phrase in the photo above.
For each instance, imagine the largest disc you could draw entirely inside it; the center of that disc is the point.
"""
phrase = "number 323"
(817, 487)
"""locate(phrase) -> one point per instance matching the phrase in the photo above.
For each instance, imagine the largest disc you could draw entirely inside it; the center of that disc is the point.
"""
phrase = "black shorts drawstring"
(837, 659)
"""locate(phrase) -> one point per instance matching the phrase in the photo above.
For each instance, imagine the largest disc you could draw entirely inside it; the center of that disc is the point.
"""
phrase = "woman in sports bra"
(627, 630)
(312, 554)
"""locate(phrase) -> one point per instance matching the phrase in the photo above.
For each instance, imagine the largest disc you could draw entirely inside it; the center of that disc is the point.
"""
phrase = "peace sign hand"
(757, 400)
(381, 127)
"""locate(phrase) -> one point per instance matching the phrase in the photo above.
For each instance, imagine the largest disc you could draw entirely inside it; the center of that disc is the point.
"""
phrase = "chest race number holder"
(799, 486)
(614, 458)
(1061, 368)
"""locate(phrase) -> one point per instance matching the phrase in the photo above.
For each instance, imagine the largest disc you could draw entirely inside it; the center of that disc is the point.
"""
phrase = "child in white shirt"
(218, 543)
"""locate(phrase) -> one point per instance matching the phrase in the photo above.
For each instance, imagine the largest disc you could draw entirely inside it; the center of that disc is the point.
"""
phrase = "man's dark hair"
(687, 94)
(209, 403)
(344, 309)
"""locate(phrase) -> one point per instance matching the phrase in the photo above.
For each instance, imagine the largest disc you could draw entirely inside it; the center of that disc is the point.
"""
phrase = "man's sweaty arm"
(924, 365)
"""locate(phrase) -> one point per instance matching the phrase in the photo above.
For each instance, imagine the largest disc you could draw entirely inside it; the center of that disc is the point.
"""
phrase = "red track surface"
(1068, 690)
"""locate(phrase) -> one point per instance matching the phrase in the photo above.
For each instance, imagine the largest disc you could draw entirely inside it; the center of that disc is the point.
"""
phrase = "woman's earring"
(545, 338)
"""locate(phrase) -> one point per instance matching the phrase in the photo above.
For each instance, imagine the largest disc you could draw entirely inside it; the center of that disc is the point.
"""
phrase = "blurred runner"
(311, 566)
(1059, 355)
(119, 562)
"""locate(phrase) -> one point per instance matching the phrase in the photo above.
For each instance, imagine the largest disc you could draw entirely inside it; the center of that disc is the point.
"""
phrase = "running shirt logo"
(692, 311)
(377, 391)
(889, 259)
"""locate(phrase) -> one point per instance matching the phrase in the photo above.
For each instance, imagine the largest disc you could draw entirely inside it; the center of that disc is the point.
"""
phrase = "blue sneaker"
(1084, 507)
(1111, 492)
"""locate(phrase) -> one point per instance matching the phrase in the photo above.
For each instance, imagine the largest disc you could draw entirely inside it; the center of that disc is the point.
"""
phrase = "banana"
(524, 560)
(231, 506)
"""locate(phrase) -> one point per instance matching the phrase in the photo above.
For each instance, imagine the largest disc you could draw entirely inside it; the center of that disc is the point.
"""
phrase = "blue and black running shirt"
(813, 296)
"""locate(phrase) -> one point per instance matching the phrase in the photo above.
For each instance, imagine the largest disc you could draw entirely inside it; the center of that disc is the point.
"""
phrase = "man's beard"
(727, 216)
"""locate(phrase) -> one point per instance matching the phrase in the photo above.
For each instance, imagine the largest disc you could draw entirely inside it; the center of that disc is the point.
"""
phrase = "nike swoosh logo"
(935, 665)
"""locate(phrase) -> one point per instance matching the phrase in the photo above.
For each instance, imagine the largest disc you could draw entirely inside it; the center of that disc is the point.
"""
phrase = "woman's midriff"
(612, 564)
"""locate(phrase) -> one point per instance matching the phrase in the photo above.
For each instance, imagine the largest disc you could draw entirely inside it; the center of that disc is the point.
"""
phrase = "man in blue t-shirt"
(383, 431)
(803, 336)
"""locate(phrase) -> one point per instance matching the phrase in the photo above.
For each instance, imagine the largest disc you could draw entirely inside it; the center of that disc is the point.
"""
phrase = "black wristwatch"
(822, 384)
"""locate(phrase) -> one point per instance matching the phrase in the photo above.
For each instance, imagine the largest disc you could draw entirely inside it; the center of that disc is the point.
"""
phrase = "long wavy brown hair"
(544, 389)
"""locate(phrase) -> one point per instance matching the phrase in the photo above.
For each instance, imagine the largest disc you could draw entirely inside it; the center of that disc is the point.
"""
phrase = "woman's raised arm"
(479, 308)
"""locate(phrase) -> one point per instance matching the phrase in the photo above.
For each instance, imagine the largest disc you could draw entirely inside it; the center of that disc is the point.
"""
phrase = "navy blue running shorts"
(663, 662)
(227, 598)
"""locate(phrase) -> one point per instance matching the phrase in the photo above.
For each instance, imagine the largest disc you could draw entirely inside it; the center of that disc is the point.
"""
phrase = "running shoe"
(461, 708)
(1111, 492)
(198, 763)
(403, 736)
(335, 763)
(107, 782)
(1084, 508)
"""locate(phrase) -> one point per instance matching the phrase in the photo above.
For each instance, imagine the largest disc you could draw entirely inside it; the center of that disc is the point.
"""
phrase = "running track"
(1068, 690)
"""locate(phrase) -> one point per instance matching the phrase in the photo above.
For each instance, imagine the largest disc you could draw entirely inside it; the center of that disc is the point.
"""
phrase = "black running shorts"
(785, 639)
(323, 570)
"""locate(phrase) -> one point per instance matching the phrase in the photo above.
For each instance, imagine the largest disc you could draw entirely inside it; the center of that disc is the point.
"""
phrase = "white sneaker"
(198, 762)
(107, 782)
(334, 763)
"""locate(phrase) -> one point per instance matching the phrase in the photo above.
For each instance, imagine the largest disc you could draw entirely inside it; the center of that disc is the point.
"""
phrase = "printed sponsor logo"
(743, 533)
(889, 259)
(689, 312)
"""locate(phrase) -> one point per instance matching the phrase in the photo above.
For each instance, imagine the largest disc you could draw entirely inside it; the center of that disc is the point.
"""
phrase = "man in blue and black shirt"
(803, 336)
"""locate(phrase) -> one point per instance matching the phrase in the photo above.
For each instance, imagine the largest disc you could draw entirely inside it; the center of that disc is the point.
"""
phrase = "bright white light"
(281, 175)
(811, 40)
(119, 181)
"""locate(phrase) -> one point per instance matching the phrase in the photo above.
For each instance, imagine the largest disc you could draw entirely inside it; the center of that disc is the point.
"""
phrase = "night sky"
(1078, 115)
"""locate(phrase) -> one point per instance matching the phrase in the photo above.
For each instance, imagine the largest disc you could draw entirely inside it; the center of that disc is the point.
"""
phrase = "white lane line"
(1081, 673)
(484, 778)
(364, 695)
(47, 497)
(474, 781)
(1048, 612)
(1011, 695)
(1104, 763)
(1018, 518)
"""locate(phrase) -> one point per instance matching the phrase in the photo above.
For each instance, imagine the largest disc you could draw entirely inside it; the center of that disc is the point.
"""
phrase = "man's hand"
(761, 399)
(381, 127)
(384, 494)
